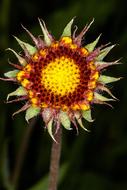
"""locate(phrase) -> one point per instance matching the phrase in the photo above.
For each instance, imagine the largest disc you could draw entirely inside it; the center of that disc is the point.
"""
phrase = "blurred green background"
(97, 160)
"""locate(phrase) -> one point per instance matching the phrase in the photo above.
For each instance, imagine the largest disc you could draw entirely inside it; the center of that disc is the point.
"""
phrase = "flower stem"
(54, 162)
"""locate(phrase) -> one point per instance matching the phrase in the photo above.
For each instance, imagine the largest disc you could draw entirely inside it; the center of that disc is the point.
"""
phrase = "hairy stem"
(54, 162)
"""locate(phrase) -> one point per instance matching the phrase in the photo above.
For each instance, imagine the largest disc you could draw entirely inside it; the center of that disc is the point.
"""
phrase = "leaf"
(31, 112)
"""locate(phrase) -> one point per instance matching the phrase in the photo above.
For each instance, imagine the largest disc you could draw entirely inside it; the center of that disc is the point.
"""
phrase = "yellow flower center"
(61, 76)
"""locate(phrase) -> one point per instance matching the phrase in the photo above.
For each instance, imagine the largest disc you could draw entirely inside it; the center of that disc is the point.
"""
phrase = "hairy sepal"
(65, 120)
(107, 79)
(25, 46)
(21, 60)
(21, 91)
(31, 112)
(67, 29)
(90, 47)
(11, 74)
(79, 120)
(87, 115)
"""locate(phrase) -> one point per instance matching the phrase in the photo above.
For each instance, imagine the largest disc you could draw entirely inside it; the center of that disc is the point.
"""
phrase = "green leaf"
(104, 52)
(65, 120)
(67, 29)
(107, 79)
(90, 47)
(87, 115)
(31, 49)
(31, 112)
(11, 74)
(21, 91)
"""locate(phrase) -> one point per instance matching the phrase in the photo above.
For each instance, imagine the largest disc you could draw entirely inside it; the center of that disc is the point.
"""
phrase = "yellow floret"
(35, 57)
(25, 83)
(66, 40)
(34, 101)
(20, 75)
(89, 96)
(84, 51)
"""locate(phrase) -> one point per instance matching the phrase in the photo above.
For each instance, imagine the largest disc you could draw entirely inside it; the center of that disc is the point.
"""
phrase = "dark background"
(97, 160)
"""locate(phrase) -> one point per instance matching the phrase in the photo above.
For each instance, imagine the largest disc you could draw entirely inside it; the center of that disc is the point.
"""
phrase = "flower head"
(60, 79)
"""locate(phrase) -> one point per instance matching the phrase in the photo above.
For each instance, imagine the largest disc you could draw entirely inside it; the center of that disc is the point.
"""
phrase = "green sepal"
(11, 74)
(49, 127)
(90, 47)
(65, 121)
(101, 98)
(18, 92)
(79, 120)
(31, 49)
(46, 34)
(107, 79)
(67, 29)
(104, 52)
(86, 114)
(31, 112)
(21, 60)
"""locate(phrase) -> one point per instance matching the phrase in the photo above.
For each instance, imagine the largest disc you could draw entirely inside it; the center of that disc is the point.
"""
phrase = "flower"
(60, 80)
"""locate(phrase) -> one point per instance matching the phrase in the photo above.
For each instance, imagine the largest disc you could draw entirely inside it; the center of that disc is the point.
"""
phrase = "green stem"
(54, 162)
